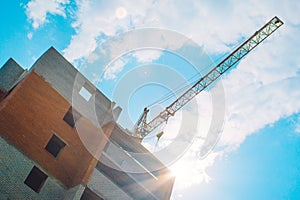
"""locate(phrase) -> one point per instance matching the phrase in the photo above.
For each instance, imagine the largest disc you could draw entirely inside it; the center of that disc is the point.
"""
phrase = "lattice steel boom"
(142, 128)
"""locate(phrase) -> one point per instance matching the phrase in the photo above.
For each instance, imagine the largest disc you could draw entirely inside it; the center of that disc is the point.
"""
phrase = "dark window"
(55, 145)
(36, 179)
(72, 116)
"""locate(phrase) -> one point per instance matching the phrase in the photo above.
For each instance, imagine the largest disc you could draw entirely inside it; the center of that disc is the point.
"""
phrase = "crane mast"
(142, 128)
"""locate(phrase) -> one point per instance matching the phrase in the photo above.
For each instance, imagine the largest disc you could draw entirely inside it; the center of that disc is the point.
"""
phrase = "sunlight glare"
(121, 12)
(189, 170)
(188, 173)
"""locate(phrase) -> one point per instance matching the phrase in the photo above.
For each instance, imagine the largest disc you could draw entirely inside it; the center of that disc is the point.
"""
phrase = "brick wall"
(31, 114)
(14, 169)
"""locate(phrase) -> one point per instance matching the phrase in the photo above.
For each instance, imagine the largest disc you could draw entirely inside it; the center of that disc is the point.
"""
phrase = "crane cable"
(188, 84)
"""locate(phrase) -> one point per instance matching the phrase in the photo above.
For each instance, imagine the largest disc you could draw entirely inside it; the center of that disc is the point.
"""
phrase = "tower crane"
(142, 128)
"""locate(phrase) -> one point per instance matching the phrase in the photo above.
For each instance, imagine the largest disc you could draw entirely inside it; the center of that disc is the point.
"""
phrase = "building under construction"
(53, 148)
(60, 139)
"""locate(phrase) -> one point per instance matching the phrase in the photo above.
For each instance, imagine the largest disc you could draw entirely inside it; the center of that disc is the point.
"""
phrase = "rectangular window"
(72, 116)
(86, 91)
(36, 179)
(55, 145)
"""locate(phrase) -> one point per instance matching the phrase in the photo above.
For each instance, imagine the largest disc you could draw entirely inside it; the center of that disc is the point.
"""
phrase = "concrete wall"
(10, 73)
(135, 149)
(135, 185)
(57, 71)
(14, 169)
(106, 188)
(143, 170)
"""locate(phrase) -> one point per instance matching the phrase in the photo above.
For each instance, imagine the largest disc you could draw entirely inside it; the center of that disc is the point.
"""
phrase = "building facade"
(60, 139)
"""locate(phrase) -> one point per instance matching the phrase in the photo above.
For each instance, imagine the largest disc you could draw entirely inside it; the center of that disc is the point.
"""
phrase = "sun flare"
(189, 172)
(121, 12)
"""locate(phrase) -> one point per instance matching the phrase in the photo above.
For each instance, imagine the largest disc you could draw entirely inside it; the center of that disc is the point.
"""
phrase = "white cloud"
(111, 70)
(213, 25)
(95, 18)
(29, 35)
(37, 10)
(264, 87)
(146, 56)
(95, 78)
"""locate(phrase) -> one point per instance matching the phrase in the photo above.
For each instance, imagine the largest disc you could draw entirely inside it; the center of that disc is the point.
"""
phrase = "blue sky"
(258, 154)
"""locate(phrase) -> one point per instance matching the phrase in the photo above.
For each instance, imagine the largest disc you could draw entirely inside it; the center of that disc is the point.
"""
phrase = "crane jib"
(142, 128)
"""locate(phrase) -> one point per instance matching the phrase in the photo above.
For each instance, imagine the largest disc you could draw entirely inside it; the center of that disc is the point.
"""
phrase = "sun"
(190, 171)
(187, 174)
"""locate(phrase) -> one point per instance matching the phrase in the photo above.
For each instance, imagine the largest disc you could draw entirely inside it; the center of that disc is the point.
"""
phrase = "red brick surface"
(30, 115)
